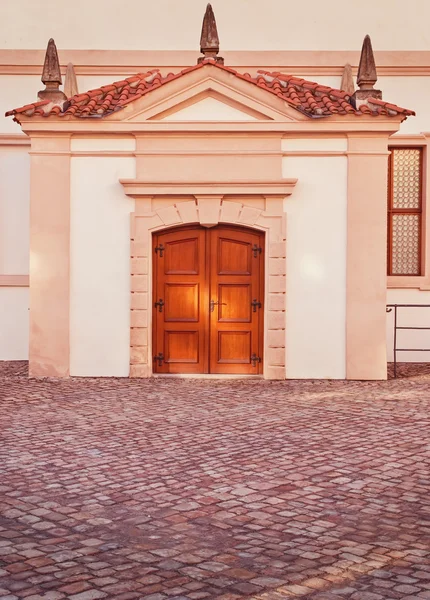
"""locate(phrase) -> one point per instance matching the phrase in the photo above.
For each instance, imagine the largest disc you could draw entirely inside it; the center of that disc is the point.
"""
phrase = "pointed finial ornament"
(209, 41)
(51, 69)
(70, 83)
(51, 76)
(347, 82)
(366, 76)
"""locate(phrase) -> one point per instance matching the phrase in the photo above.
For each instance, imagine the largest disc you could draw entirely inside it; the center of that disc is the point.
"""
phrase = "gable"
(209, 109)
(198, 93)
(155, 96)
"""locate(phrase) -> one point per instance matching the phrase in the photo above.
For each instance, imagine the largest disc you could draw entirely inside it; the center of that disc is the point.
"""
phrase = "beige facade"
(315, 187)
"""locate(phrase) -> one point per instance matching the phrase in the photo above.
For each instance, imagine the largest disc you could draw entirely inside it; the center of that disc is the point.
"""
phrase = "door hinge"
(160, 305)
(255, 359)
(256, 250)
(159, 358)
(160, 249)
(255, 304)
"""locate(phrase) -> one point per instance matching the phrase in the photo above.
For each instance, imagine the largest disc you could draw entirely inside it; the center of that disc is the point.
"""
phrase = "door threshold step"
(204, 376)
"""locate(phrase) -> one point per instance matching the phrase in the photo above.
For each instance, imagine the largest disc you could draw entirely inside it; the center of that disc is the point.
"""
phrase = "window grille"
(405, 211)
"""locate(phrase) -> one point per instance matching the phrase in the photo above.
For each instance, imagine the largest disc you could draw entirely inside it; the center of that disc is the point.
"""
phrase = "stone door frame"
(207, 209)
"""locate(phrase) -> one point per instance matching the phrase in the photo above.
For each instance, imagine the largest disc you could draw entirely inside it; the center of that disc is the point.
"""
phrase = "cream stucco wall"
(316, 261)
(409, 317)
(207, 110)
(243, 24)
(412, 92)
(395, 29)
(16, 91)
(14, 251)
(14, 212)
(316, 264)
(14, 305)
(100, 266)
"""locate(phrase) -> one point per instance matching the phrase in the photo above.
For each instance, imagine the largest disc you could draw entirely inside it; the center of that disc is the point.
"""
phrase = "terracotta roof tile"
(308, 97)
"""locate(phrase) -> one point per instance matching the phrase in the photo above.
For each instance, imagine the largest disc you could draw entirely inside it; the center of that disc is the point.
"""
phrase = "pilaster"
(49, 256)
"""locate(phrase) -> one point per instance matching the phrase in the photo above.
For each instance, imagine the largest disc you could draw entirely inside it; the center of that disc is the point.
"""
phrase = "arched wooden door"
(208, 300)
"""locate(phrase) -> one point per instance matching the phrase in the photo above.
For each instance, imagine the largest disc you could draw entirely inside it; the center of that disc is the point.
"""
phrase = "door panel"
(181, 347)
(234, 347)
(235, 280)
(182, 256)
(182, 302)
(234, 257)
(234, 303)
(180, 282)
(192, 267)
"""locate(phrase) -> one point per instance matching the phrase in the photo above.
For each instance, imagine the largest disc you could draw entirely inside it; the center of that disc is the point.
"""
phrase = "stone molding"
(261, 212)
(14, 280)
(295, 62)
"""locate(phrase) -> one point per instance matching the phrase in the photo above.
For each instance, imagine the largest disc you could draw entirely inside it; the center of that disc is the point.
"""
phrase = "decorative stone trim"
(14, 280)
(310, 63)
(13, 140)
(154, 213)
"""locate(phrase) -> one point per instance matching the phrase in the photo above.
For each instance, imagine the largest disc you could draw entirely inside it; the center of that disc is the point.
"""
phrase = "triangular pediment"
(208, 94)
(210, 106)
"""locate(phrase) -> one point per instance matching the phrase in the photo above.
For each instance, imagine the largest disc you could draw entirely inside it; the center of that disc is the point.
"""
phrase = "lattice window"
(405, 211)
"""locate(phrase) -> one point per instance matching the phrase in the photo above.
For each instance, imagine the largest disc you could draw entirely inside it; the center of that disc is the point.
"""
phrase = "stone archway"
(208, 300)
(261, 211)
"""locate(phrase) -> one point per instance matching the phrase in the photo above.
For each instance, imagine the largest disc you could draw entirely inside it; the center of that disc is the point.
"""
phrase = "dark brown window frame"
(404, 211)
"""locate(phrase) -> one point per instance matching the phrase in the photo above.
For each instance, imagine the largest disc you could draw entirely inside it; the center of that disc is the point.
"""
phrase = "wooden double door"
(208, 300)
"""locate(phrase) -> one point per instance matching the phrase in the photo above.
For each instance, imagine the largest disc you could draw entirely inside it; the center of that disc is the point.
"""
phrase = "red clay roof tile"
(309, 97)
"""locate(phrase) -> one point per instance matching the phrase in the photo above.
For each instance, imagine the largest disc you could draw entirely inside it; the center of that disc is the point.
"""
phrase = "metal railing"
(390, 308)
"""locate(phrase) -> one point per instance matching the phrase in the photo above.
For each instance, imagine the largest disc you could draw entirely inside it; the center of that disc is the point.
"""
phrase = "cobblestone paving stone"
(189, 489)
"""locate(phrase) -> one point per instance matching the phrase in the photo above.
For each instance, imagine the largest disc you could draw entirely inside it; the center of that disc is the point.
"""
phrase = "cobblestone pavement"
(186, 489)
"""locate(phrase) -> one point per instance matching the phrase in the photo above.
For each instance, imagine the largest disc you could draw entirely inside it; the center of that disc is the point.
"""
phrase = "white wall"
(409, 317)
(243, 24)
(100, 267)
(14, 251)
(209, 109)
(14, 212)
(14, 323)
(287, 26)
(316, 262)
(15, 91)
(412, 93)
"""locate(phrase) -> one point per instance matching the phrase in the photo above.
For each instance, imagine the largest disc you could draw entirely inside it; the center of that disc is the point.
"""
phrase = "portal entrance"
(208, 300)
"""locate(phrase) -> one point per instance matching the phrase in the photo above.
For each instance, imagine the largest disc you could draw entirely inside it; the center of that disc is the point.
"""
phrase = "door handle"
(212, 304)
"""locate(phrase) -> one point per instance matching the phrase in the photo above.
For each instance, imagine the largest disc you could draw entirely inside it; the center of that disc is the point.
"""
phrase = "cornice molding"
(125, 62)
(14, 280)
(14, 139)
(139, 187)
(336, 124)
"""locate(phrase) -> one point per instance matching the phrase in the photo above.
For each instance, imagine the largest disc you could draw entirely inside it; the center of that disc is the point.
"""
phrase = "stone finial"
(347, 82)
(209, 41)
(51, 76)
(51, 73)
(70, 83)
(366, 76)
